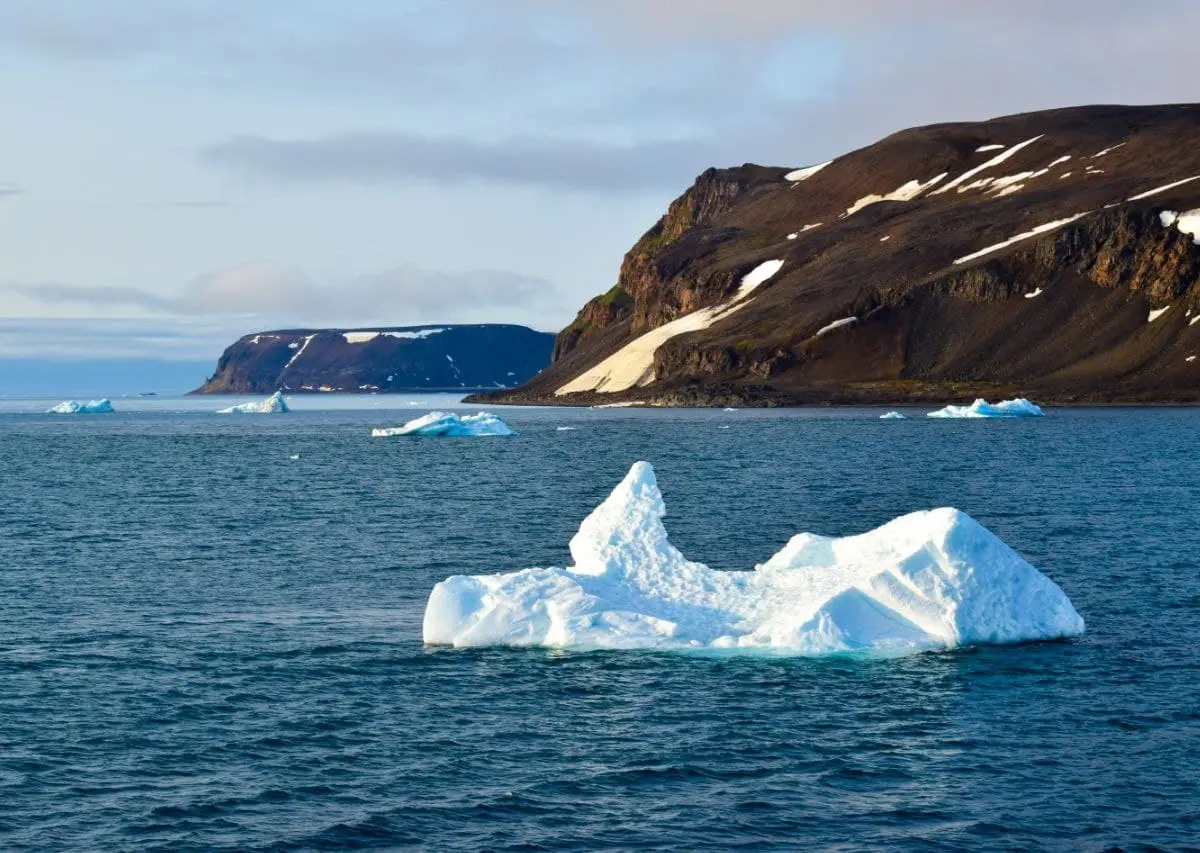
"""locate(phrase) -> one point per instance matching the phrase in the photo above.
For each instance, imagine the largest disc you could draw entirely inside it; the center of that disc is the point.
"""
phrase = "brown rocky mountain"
(1052, 255)
(381, 358)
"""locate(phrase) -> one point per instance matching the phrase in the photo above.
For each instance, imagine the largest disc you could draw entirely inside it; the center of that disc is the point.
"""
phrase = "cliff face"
(412, 358)
(1025, 254)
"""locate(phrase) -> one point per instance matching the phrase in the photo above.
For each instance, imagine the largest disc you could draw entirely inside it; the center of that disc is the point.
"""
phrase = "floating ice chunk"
(983, 148)
(1156, 313)
(1018, 408)
(273, 405)
(75, 407)
(892, 416)
(451, 425)
(1033, 293)
(928, 580)
(564, 429)
(805, 173)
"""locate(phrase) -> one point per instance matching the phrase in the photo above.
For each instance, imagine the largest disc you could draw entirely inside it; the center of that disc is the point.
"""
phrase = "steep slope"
(407, 358)
(1034, 254)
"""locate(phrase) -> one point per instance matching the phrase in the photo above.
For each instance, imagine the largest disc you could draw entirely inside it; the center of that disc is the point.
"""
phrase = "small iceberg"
(893, 416)
(1018, 408)
(273, 405)
(928, 580)
(445, 424)
(74, 407)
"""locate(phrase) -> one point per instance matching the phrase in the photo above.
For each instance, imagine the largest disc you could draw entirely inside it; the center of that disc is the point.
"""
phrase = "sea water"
(207, 644)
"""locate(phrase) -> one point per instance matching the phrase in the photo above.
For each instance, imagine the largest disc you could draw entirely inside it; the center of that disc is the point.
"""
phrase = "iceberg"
(928, 580)
(446, 424)
(74, 407)
(273, 405)
(1018, 408)
(892, 416)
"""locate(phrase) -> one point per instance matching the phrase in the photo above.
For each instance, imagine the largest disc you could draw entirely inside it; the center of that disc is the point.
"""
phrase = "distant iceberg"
(273, 405)
(74, 407)
(892, 416)
(928, 580)
(453, 426)
(1018, 408)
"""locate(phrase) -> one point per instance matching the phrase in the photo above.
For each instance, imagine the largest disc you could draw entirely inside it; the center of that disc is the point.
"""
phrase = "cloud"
(269, 294)
(548, 163)
(157, 339)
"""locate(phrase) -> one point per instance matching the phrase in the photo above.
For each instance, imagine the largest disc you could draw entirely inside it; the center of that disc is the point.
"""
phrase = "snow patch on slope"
(995, 161)
(905, 192)
(927, 580)
(805, 173)
(836, 324)
(633, 364)
(1164, 188)
(1025, 235)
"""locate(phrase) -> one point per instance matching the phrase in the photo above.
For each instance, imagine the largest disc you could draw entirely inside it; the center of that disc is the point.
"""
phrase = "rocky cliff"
(1050, 254)
(407, 358)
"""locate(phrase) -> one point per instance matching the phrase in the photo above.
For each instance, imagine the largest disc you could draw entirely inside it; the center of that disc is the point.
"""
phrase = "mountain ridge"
(1027, 254)
(369, 359)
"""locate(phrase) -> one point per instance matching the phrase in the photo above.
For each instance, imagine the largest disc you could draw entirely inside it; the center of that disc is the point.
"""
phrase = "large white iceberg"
(74, 407)
(927, 580)
(1018, 408)
(273, 405)
(446, 424)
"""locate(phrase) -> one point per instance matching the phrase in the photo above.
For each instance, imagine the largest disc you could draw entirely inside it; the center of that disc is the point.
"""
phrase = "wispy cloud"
(551, 163)
(269, 294)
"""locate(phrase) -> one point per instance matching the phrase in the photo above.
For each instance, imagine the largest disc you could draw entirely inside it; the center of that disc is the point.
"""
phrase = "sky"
(177, 173)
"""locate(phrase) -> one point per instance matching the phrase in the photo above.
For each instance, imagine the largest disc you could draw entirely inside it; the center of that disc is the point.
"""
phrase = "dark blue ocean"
(208, 645)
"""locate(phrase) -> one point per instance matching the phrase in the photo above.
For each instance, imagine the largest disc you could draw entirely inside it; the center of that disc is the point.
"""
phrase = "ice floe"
(75, 407)
(273, 405)
(1018, 408)
(449, 425)
(892, 416)
(928, 580)
(1033, 293)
